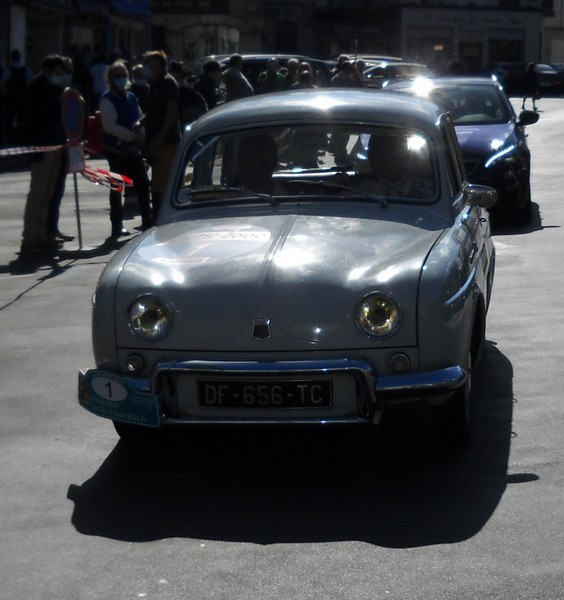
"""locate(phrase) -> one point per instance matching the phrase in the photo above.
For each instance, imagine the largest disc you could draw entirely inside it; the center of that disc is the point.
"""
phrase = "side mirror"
(480, 195)
(527, 117)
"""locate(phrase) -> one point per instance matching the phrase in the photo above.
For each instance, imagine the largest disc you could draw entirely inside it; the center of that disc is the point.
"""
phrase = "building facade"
(41, 27)
(478, 32)
(553, 32)
(190, 29)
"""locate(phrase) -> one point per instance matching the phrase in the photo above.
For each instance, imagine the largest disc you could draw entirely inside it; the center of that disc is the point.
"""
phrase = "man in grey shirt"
(236, 84)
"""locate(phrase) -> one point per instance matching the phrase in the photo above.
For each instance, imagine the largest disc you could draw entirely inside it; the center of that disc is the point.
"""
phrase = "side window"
(208, 165)
(455, 165)
(203, 167)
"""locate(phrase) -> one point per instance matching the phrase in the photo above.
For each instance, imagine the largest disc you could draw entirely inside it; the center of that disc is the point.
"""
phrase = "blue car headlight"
(505, 153)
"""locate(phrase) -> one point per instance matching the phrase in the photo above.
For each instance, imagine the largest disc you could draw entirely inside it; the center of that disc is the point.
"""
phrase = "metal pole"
(76, 203)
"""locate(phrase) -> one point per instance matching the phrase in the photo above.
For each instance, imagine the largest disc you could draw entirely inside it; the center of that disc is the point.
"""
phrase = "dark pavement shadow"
(56, 262)
(506, 226)
(107, 247)
(31, 263)
(391, 486)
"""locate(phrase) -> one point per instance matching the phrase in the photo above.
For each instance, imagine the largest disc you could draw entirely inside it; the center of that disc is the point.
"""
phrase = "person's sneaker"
(115, 236)
(64, 238)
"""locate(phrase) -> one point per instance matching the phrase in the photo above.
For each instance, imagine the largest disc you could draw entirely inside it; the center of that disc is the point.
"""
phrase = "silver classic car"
(319, 258)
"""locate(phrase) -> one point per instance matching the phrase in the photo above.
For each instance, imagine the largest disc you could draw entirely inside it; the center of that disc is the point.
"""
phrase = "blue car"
(492, 137)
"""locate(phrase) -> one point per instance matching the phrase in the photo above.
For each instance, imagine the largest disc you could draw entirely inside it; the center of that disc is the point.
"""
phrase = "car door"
(471, 221)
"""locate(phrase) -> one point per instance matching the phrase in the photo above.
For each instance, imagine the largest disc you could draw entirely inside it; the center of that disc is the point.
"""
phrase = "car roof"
(376, 58)
(451, 80)
(401, 63)
(262, 56)
(398, 68)
(304, 106)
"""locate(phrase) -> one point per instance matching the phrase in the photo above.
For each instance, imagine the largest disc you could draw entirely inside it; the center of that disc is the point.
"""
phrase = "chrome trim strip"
(362, 372)
(314, 421)
(441, 381)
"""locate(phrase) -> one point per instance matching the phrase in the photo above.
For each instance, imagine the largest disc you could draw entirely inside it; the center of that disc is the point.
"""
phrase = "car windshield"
(399, 71)
(466, 103)
(319, 161)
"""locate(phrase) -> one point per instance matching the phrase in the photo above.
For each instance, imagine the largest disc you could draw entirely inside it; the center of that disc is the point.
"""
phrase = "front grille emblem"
(261, 329)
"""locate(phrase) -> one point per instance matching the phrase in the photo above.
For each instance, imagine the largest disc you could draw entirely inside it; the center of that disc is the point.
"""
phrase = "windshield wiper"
(211, 192)
(383, 200)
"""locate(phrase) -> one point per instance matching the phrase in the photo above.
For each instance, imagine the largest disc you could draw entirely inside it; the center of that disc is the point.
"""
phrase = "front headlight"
(506, 153)
(378, 315)
(149, 318)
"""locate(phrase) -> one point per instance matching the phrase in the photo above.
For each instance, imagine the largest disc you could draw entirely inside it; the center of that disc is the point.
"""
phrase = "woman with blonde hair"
(123, 137)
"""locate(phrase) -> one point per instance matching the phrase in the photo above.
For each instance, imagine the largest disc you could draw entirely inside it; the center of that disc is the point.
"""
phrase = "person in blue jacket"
(123, 138)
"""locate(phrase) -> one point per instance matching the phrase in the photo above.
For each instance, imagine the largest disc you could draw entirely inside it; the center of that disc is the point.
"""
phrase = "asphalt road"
(276, 515)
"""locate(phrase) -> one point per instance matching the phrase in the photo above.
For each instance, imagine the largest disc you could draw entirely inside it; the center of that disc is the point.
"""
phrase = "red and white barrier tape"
(17, 150)
(114, 181)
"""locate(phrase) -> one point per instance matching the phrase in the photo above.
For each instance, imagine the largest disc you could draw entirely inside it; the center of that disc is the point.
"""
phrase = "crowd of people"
(143, 110)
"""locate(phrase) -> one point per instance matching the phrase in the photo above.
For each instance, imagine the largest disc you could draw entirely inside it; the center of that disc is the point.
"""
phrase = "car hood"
(483, 140)
(305, 274)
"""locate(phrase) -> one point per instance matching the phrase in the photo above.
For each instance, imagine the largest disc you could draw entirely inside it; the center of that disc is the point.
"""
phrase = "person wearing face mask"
(162, 123)
(42, 113)
(120, 113)
(53, 230)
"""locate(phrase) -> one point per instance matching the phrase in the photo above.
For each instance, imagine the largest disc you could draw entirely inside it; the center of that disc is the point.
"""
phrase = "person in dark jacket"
(530, 86)
(42, 113)
(162, 124)
(120, 113)
(53, 230)
(191, 104)
(140, 87)
(207, 84)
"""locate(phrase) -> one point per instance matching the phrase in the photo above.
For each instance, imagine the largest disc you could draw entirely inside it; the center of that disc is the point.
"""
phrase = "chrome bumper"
(142, 398)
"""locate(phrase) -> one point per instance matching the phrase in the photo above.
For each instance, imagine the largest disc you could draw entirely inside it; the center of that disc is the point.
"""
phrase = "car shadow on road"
(391, 486)
(502, 227)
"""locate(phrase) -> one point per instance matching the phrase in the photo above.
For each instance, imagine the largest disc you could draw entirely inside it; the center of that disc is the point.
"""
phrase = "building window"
(506, 45)
(471, 54)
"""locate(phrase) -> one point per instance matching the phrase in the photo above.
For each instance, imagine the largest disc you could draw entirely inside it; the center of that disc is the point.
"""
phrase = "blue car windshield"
(467, 103)
(316, 161)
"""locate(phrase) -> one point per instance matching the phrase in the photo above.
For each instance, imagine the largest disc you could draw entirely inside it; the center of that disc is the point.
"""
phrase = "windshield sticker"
(207, 245)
